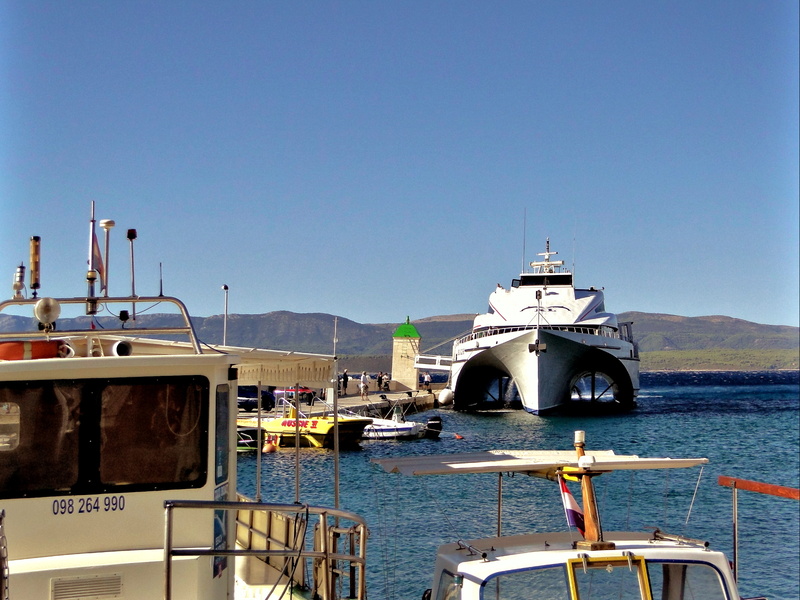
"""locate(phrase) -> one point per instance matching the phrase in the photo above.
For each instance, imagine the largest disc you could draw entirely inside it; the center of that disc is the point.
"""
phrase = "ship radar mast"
(547, 265)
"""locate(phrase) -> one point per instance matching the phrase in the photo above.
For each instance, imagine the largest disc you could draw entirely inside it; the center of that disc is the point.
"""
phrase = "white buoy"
(445, 397)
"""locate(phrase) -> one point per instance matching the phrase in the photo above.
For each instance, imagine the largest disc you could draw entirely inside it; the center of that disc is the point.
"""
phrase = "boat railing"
(5, 575)
(186, 329)
(278, 540)
(608, 332)
(751, 486)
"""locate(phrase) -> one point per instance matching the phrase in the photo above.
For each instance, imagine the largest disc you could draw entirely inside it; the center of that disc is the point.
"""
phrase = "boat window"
(678, 581)
(222, 433)
(97, 436)
(609, 577)
(546, 279)
(9, 426)
(550, 583)
(449, 588)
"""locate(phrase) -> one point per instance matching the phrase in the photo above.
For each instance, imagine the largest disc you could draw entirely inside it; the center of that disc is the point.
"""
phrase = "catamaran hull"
(551, 370)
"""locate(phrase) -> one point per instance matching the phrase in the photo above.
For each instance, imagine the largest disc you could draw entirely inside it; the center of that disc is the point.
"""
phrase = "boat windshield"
(549, 583)
(685, 580)
(611, 577)
(95, 436)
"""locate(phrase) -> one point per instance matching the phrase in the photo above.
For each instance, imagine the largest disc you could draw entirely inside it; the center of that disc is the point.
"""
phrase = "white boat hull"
(548, 368)
(388, 429)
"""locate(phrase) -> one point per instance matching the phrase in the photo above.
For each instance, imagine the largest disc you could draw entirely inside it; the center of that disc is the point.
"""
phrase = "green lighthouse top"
(406, 330)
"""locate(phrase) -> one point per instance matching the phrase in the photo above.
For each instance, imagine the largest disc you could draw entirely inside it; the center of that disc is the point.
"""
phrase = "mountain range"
(314, 332)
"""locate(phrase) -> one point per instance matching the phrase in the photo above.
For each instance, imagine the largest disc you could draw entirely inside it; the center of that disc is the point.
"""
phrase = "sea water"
(746, 424)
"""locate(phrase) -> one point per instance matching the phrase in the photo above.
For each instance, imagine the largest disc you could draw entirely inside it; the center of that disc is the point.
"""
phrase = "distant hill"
(668, 335)
(656, 332)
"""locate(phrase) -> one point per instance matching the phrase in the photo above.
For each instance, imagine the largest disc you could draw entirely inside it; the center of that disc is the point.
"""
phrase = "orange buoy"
(270, 445)
(29, 350)
(459, 437)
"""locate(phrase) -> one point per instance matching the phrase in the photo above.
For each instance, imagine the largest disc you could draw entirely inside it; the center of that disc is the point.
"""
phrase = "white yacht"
(118, 463)
(548, 345)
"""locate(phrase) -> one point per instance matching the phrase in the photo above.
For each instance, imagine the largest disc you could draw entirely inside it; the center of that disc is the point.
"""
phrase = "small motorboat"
(581, 561)
(395, 428)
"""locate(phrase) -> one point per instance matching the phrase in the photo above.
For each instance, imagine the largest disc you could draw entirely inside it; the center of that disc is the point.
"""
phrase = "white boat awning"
(531, 462)
(282, 368)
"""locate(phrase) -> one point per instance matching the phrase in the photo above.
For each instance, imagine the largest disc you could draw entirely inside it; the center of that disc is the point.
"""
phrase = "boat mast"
(593, 536)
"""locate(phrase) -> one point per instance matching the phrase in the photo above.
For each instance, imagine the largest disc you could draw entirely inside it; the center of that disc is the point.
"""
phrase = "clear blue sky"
(375, 160)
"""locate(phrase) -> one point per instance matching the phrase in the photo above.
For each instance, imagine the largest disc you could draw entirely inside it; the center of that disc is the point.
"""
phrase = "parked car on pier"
(247, 399)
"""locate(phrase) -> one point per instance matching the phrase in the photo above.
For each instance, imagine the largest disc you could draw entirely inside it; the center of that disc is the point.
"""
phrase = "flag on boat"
(95, 256)
(97, 261)
(571, 509)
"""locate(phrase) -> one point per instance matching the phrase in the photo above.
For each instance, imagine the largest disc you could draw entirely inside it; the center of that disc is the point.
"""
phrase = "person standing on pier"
(345, 379)
(364, 385)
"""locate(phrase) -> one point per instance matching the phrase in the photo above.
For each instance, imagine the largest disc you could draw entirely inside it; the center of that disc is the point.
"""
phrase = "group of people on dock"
(382, 383)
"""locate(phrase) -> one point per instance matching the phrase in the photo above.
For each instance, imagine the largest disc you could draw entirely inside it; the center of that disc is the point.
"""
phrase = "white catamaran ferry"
(118, 462)
(549, 343)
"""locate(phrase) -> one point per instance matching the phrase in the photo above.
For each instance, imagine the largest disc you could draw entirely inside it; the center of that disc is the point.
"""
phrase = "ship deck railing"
(94, 305)
(602, 331)
(275, 541)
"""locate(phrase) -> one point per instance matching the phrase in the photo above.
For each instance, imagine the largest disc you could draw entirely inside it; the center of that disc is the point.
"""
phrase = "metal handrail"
(751, 486)
(598, 331)
(187, 329)
(324, 554)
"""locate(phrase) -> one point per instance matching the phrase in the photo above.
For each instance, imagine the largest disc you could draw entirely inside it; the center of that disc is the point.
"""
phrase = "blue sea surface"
(746, 424)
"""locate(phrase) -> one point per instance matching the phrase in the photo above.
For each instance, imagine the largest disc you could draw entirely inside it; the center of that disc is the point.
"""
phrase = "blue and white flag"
(571, 509)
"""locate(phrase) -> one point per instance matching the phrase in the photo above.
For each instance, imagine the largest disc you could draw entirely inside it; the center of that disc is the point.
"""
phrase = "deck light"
(19, 282)
(47, 310)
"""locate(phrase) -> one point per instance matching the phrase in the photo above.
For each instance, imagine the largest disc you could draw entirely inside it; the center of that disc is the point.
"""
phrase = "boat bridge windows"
(98, 436)
(542, 280)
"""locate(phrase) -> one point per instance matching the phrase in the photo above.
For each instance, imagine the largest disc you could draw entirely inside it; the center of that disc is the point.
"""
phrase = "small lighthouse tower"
(405, 346)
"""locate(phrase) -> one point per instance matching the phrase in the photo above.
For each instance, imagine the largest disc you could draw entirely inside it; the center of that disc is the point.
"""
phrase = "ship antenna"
(160, 281)
(131, 237)
(95, 268)
(524, 236)
(574, 244)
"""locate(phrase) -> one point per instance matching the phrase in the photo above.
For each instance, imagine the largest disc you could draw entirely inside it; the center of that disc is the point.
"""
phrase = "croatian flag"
(97, 261)
(571, 509)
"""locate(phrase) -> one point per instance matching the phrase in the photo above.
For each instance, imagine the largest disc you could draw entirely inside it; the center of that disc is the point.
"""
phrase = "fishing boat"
(312, 431)
(118, 460)
(545, 345)
(577, 562)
